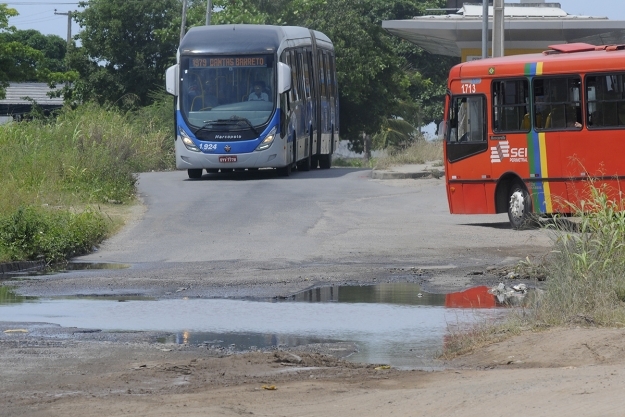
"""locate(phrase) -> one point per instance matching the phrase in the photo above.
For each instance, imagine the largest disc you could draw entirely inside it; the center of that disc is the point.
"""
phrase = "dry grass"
(584, 277)
(419, 152)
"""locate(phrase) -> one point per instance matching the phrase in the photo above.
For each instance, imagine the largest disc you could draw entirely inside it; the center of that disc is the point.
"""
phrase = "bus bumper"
(274, 157)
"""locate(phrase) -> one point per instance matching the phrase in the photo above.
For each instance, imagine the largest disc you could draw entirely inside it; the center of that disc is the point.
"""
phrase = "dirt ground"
(560, 372)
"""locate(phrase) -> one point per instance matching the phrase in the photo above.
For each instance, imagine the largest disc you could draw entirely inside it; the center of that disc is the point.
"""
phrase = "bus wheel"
(325, 161)
(519, 206)
(194, 173)
(305, 164)
(285, 171)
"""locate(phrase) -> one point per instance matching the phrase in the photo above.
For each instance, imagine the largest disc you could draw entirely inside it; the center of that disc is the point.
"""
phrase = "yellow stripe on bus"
(544, 171)
(539, 68)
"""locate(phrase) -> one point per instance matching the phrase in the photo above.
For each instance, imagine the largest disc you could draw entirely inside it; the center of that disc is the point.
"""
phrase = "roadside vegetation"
(60, 175)
(64, 175)
(416, 152)
(584, 280)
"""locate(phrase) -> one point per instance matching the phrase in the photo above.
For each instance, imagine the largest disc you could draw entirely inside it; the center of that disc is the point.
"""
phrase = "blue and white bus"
(254, 96)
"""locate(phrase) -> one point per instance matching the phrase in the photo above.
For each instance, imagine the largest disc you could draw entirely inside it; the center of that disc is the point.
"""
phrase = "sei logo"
(503, 152)
(518, 154)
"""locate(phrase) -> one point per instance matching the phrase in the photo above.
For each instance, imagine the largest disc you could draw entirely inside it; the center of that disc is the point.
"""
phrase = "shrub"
(31, 234)
(84, 156)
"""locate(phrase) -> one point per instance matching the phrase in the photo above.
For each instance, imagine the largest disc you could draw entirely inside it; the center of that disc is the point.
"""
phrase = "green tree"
(126, 48)
(18, 62)
(378, 73)
(53, 47)
(400, 130)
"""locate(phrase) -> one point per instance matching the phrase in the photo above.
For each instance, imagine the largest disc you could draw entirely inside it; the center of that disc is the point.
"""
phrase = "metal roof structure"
(19, 97)
(527, 26)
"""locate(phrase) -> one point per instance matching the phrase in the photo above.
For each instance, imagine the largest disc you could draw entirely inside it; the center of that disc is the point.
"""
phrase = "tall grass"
(418, 152)
(85, 157)
(584, 275)
(586, 272)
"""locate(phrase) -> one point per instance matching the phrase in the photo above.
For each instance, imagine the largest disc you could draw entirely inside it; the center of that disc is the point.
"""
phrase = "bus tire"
(285, 171)
(519, 206)
(305, 164)
(194, 174)
(325, 161)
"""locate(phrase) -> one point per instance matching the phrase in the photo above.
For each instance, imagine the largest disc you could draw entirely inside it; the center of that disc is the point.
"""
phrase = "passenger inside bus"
(210, 95)
(194, 92)
(201, 98)
(562, 116)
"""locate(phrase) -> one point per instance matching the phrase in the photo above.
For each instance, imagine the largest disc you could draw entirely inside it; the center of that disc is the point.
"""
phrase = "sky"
(39, 14)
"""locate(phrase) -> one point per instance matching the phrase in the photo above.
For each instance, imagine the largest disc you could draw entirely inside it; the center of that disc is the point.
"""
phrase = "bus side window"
(606, 100)
(510, 106)
(562, 105)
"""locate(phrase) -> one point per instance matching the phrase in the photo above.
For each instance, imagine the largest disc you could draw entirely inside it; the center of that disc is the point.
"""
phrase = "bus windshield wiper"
(208, 123)
(234, 120)
(243, 119)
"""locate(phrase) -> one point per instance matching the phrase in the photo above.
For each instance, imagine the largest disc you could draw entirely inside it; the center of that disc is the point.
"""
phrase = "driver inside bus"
(258, 93)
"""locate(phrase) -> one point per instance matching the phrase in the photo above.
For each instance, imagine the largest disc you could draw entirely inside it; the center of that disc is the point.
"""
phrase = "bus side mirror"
(284, 77)
(171, 80)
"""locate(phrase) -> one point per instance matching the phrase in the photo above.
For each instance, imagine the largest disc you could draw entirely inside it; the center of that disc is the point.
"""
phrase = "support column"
(498, 28)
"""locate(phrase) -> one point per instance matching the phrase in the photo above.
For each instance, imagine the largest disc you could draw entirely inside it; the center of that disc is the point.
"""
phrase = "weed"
(419, 152)
(31, 234)
(84, 156)
(583, 274)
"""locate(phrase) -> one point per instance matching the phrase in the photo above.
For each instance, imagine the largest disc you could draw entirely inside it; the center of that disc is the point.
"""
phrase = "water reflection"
(392, 323)
(239, 341)
(9, 297)
(476, 297)
(401, 293)
(61, 268)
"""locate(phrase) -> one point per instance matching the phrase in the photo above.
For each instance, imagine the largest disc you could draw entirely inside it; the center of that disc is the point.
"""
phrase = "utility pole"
(184, 19)
(69, 26)
(484, 29)
(498, 28)
(209, 11)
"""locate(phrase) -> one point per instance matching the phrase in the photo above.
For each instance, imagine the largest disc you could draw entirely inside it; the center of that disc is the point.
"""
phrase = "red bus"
(525, 133)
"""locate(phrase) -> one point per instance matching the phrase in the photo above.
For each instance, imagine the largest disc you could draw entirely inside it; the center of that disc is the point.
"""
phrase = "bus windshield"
(227, 93)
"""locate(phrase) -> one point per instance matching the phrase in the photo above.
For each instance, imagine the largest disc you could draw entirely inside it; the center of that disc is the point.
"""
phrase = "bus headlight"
(266, 143)
(187, 140)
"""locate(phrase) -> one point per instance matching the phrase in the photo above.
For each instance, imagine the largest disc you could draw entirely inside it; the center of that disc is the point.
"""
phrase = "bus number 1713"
(468, 89)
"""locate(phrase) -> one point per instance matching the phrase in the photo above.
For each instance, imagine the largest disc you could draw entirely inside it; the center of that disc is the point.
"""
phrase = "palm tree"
(399, 131)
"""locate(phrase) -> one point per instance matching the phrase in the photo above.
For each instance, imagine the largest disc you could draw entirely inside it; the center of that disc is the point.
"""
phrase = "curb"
(11, 267)
(391, 175)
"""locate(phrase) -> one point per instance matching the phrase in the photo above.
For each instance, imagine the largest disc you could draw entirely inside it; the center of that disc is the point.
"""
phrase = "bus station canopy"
(527, 28)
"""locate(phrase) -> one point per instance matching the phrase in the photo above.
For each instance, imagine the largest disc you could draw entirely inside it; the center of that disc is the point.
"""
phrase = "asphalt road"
(257, 234)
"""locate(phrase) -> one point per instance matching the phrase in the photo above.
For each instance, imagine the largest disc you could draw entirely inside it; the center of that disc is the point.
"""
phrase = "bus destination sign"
(226, 62)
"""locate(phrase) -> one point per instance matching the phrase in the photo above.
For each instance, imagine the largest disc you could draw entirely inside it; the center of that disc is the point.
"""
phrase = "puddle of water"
(82, 266)
(59, 269)
(394, 324)
(9, 297)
